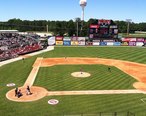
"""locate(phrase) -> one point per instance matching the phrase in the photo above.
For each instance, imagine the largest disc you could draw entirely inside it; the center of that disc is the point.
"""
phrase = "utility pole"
(47, 28)
(128, 25)
(77, 21)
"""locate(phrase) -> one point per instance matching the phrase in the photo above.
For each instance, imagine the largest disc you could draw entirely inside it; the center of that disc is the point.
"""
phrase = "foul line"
(93, 92)
(31, 78)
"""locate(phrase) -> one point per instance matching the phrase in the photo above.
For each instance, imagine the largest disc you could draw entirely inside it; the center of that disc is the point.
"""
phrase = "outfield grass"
(135, 54)
(18, 72)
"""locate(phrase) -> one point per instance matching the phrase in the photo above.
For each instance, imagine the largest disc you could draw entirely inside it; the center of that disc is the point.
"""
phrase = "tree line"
(68, 28)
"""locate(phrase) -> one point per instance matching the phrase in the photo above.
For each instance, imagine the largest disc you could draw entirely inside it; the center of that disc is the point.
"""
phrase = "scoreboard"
(103, 29)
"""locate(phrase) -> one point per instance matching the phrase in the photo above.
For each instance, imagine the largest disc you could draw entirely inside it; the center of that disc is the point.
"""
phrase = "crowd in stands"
(13, 44)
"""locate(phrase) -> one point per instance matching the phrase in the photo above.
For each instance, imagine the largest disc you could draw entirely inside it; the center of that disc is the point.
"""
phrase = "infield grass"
(59, 78)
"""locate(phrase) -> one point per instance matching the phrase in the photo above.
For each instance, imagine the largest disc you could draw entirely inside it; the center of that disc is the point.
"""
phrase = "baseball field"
(121, 89)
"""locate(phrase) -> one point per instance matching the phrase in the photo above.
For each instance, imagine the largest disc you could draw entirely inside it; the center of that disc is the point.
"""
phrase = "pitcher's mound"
(37, 93)
(81, 75)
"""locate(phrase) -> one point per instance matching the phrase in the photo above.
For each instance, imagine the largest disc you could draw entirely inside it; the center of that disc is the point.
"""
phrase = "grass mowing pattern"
(17, 72)
(135, 54)
(59, 78)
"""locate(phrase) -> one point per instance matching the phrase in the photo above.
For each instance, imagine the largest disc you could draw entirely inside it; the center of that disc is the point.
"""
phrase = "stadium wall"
(82, 41)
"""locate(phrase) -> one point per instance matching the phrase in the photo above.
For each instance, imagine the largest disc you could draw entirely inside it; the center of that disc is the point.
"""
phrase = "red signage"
(94, 26)
(129, 39)
(59, 38)
(102, 21)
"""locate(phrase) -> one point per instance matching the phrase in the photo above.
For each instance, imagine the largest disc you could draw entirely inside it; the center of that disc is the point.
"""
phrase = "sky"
(65, 10)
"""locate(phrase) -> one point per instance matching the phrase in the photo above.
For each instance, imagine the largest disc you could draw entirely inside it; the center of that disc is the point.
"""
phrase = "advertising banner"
(96, 43)
(96, 40)
(59, 38)
(89, 43)
(132, 43)
(74, 38)
(139, 43)
(51, 41)
(81, 40)
(140, 39)
(66, 43)
(103, 43)
(124, 43)
(81, 43)
(110, 43)
(108, 40)
(117, 43)
(129, 39)
(75, 43)
(59, 42)
(66, 39)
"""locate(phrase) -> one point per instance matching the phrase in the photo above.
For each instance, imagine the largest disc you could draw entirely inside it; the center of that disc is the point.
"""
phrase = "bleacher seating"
(13, 44)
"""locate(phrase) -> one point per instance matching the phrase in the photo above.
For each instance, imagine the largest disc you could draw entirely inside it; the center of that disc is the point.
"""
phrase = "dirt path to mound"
(136, 70)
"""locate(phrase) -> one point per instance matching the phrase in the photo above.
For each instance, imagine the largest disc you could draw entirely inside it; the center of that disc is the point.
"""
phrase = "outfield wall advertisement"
(66, 39)
(124, 43)
(51, 41)
(59, 42)
(59, 38)
(139, 43)
(128, 39)
(103, 43)
(140, 39)
(96, 43)
(81, 41)
(89, 43)
(132, 43)
(117, 43)
(110, 43)
(74, 43)
(66, 43)
(74, 38)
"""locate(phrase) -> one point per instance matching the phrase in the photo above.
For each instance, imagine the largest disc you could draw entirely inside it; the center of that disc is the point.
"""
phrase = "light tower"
(83, 3)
